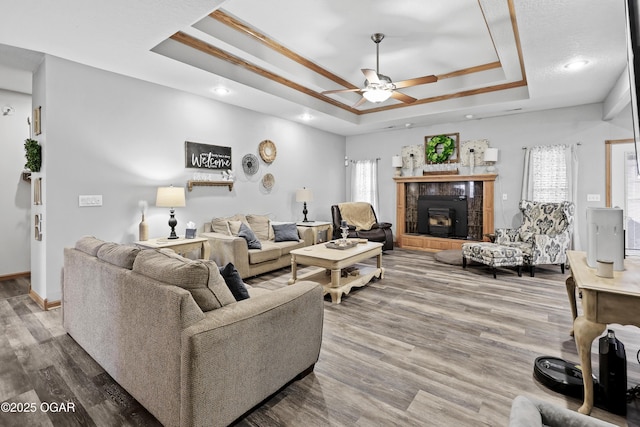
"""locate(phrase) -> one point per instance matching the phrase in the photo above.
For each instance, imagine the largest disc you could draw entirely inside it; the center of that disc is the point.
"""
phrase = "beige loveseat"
(139, 314)
(227, 247)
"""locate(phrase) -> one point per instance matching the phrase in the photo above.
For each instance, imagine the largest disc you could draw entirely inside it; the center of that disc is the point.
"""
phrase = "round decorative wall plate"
(268, 181)
(267, 151)
(250, 164)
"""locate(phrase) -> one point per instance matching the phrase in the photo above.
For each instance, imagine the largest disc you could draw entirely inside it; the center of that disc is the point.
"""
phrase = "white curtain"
(551, 175)
(364, 182)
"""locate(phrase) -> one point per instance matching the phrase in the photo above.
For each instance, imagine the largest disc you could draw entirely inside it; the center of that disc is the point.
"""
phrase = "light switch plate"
(90, 200)
(593, 197)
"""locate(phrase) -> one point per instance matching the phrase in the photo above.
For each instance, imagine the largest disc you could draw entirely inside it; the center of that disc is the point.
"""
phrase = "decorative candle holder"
(345, 233)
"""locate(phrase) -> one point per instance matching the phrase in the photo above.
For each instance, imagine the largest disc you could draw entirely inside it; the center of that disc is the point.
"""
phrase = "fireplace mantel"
(404, 187)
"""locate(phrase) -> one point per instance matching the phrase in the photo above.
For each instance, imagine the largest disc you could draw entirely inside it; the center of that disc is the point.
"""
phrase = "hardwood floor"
(431, 344)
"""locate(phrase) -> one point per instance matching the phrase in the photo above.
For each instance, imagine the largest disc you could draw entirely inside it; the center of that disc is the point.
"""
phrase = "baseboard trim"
(43, 303)
(15, 276)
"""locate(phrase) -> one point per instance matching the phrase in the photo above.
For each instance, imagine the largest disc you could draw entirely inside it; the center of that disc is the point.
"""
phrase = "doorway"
(623, 188)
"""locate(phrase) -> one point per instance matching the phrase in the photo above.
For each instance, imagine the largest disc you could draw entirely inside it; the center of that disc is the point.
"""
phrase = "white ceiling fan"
(378, 87)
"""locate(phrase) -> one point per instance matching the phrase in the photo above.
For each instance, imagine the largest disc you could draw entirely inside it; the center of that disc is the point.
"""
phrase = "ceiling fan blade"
(327, 92)
(402, 97)
(359, 103)
(371, 75)
(416, 81)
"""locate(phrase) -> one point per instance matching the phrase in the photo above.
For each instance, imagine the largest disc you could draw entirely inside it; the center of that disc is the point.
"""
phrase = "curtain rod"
(577, 143)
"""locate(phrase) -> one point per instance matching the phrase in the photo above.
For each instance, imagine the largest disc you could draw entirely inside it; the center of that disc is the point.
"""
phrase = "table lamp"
(304, 195)
(491, 157)
(171, 197)
(396, 162)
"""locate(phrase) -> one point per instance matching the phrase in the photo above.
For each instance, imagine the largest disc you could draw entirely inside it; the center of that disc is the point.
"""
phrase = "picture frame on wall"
(206, 156)
(454, 157)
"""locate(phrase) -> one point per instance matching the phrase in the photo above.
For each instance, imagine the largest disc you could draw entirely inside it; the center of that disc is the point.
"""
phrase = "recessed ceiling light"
(220, 90)
(576, 65)
(468, 116)
(306, 117)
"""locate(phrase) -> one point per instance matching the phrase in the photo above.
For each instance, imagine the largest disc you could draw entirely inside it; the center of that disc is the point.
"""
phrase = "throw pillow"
(248, 235)
(89, 245)
(261, 226)
(220, 225)
(201, 278)
(286, 232)
(234, 227)
(234, 282)
(118, 255)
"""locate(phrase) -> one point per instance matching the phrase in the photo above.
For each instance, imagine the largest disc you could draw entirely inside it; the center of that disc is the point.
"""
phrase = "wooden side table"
(322, 230)
(181, 246)
(604, 301)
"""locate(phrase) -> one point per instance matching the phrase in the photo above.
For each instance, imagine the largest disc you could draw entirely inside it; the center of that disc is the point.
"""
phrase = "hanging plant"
(448, 146)
(33, 153)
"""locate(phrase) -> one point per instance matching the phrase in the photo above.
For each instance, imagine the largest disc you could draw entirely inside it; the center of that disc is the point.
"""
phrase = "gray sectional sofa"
(170, 332)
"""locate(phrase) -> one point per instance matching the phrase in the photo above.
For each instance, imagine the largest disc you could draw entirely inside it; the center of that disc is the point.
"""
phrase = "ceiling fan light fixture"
(376, 95)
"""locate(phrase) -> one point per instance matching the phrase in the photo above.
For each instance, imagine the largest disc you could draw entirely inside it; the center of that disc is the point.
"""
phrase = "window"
(550, 179)
(364, 182)
(550, 173)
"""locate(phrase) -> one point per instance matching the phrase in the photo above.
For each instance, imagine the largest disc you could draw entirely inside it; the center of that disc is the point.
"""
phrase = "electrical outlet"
(593, 197)
(504, 196)
(90, 200)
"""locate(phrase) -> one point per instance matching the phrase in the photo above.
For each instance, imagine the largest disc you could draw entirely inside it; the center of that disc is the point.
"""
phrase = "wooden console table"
(604, 301)
(408, 240)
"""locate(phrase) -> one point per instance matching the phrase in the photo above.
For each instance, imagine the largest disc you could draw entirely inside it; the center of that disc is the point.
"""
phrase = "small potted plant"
(33, 153)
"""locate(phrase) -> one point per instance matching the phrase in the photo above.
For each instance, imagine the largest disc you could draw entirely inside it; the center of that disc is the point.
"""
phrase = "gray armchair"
(531, 412)
(545, 234)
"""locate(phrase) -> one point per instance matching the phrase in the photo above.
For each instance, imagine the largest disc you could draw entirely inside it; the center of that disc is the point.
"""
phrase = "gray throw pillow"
(118, 255)
(89, 245)
(249, 236)
(201, 278)
(286, 232)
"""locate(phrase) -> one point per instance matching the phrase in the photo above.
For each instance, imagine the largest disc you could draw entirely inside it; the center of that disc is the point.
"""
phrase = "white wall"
(14, 192)
(121, 138)
(509, 134)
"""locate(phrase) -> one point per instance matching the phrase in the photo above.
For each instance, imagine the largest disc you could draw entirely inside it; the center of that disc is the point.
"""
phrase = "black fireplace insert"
(443, 216)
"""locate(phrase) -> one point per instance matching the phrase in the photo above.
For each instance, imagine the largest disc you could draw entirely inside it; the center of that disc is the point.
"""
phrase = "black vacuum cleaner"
(566, 378)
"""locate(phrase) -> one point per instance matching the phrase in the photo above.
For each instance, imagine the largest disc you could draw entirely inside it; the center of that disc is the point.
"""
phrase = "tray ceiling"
(491, 57)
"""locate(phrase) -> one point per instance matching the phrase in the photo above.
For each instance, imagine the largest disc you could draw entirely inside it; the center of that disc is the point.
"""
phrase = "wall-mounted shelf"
(191, 184)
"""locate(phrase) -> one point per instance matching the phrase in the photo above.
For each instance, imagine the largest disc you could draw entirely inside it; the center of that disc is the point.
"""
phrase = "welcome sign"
(204, 156)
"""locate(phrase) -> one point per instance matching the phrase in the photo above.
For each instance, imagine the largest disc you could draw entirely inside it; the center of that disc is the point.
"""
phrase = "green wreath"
(448, 146)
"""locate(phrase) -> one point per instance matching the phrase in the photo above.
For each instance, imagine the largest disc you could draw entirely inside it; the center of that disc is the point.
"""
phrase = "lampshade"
(396, 161)
(170, 197)
(376, 95)
(304, 195)
(491, 155)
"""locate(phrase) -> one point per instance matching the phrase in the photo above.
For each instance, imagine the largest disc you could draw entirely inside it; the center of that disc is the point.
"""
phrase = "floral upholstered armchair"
(545, 233)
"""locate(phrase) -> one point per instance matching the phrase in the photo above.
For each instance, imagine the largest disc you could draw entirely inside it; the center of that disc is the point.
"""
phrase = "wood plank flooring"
(431, 344)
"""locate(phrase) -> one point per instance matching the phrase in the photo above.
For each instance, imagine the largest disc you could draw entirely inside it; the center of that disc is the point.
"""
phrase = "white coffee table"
(335, 260)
